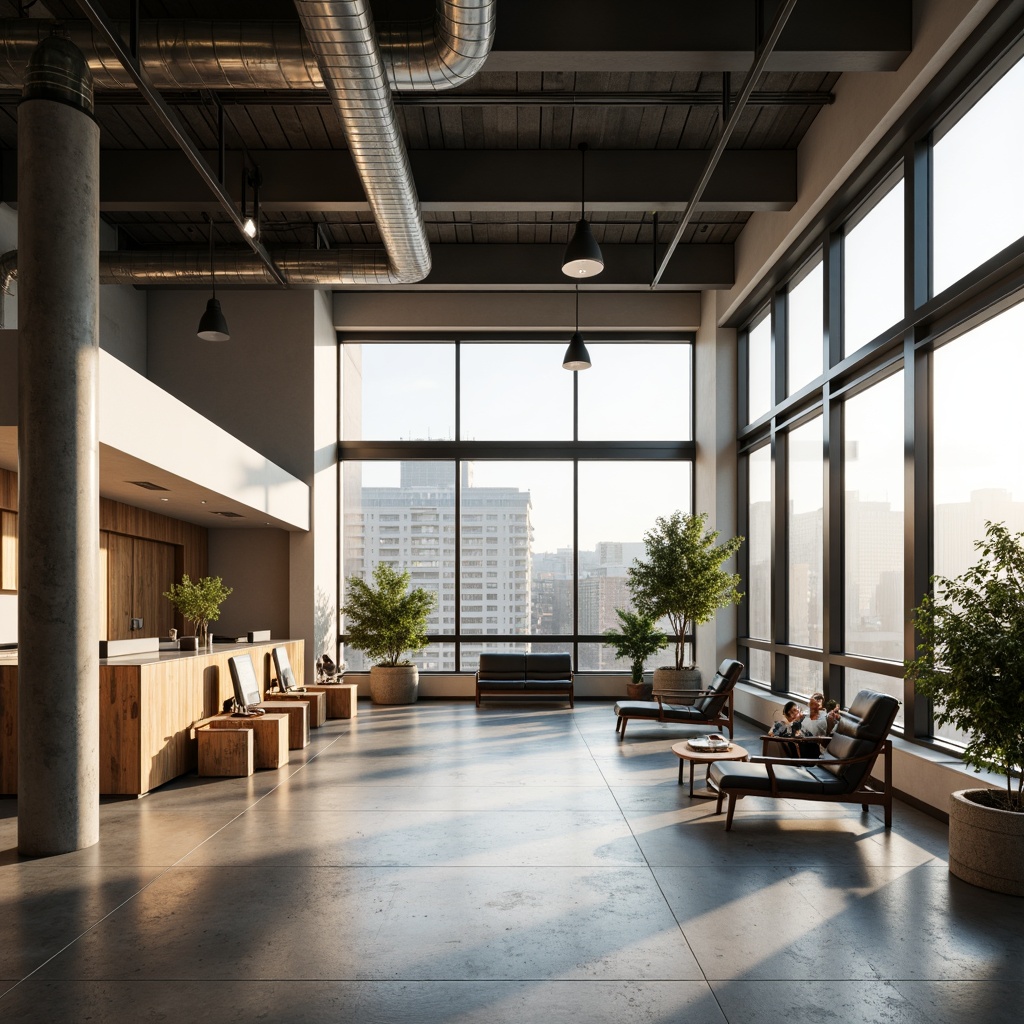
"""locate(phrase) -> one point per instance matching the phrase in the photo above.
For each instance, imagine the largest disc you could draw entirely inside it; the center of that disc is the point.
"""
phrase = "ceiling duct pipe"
(341, 35)
(429, 55)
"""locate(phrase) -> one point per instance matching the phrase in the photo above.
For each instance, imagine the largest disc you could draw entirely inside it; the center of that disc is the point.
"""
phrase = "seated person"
(817, 722)
(789, 724)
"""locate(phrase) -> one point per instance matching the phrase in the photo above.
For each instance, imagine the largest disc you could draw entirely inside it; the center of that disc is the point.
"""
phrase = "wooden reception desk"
(149, 704)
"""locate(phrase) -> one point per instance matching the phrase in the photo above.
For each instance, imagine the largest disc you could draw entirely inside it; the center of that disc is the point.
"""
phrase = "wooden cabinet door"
(153, 574)
(119, 586)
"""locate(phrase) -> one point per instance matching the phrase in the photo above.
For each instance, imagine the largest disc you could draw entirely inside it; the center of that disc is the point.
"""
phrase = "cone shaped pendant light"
(576, 355)
(212, 325)
(582, 256)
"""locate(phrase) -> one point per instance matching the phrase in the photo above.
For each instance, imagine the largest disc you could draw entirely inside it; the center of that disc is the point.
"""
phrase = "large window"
(873, 519)
(892, 467)
(804, 311)
(978, 460)
(804, 525)
(977, 203)
(520, 518)
(759, 559)
(873, 270)
(759, 369)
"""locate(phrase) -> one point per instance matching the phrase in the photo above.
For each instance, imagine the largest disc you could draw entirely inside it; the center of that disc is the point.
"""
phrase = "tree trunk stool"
(225, 752)
(341, 698)
(270, 736)
(317, 703)
(298, 720)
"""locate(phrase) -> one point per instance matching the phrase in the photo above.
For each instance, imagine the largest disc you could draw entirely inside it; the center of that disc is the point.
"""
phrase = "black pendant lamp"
(213, 326)
(576, 355)
(582, 256)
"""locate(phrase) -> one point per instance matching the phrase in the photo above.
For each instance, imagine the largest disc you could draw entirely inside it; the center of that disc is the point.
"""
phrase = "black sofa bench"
(518, 674)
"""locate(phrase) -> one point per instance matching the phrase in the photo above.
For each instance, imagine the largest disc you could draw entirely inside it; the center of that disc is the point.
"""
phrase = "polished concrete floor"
(437, 863)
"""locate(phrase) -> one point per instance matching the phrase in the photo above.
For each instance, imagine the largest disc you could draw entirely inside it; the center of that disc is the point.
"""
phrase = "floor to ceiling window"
(908, 310)
(517, 492)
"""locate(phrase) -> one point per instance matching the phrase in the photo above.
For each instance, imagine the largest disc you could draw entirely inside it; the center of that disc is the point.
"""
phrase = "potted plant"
(970, 661)
(683, 580)
(637, 639)
(384, 619)
(199, 602)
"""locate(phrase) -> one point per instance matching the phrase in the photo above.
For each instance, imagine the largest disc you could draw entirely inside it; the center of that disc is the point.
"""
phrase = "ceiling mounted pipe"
(341, 36)
(429, 55)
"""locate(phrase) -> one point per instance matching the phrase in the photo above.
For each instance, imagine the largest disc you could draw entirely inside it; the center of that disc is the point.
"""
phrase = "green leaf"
(384, 620)
(682, 576)
(970, 655)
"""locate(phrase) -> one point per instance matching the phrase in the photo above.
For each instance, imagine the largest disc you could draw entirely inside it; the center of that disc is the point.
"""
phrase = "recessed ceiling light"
(165, 499)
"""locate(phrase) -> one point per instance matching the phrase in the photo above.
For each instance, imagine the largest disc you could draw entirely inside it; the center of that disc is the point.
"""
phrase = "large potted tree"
(682, 579)
(970, 662)
(384, 619)
(636, 640)
(198, 602)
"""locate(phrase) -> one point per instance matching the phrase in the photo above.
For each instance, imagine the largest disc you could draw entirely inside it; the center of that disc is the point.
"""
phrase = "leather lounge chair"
(711, 706)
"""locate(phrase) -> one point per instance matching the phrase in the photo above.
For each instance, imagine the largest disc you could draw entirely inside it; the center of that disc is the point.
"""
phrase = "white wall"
(314, 555)
(715, 490)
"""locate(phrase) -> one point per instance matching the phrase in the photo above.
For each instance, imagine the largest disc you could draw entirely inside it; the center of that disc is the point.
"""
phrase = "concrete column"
(58, 469)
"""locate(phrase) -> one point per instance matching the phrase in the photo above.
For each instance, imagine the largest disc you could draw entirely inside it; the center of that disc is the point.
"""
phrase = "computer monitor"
(243, 679)
(285, 676)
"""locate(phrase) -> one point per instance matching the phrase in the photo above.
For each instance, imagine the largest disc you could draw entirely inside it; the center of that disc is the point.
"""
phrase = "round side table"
(686, 753)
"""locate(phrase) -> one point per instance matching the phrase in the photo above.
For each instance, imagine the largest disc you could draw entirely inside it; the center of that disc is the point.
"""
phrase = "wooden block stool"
(225, 752)
(298, 720)
(317, 703)
(270, 736)
(341, 698)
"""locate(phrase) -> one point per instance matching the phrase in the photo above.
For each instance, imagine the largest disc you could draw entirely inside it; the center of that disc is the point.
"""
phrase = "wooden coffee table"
(686, 753)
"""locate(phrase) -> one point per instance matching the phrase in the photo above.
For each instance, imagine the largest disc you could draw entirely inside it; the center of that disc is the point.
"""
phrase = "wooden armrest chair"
(841, 774)
(712, 705)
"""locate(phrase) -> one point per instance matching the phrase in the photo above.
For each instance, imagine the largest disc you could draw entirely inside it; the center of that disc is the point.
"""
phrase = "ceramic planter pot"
(986, 845)
(398, 685)
(638, 691)
(677, 679)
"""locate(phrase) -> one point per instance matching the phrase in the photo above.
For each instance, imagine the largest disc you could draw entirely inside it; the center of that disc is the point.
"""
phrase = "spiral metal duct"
(430, 55)
(342, 37)
(335, 48)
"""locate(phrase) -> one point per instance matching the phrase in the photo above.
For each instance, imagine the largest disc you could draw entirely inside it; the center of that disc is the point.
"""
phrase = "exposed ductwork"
(338, 44)
(340, 33)
(433, 54)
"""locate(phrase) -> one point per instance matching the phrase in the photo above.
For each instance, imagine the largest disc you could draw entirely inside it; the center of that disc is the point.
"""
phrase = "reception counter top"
(149, 704)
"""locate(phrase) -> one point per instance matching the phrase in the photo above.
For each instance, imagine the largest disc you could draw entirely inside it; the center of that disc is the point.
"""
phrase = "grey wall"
(259, 385)
(122, 308)
(255, 564)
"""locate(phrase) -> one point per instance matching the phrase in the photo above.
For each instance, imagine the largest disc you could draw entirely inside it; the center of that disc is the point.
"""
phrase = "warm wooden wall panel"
(9, 490)
(8, 550)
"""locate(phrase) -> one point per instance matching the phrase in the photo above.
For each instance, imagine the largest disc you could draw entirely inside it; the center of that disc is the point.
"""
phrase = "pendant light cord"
(213, 279)
(583, 179)
(577, 308)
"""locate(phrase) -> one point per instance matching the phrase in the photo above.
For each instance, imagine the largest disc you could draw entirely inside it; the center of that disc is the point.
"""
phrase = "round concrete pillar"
(58, 469)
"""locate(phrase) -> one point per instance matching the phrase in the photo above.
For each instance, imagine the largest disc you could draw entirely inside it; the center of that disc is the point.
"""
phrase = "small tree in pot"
(682, 579)
(637, 640)
(384, 620)
(970, 661)
(199, 601)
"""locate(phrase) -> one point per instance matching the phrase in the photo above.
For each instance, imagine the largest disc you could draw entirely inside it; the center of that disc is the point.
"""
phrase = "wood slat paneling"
(8, 550)
(8, 490)
(119, 585)
(152, 575)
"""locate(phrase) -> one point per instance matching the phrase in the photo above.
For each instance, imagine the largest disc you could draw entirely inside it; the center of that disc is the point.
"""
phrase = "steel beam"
(462, 181)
